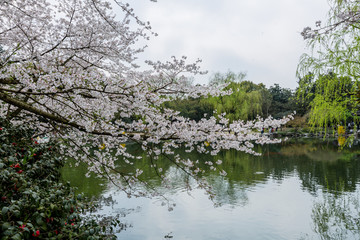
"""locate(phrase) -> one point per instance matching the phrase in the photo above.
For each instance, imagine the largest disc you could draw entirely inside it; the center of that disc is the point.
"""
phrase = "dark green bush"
(34, 203)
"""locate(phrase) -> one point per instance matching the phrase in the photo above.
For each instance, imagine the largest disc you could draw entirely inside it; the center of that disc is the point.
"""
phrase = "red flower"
(14, 144)
(36, 234)
(17, 165)
(20, 171)
(56, 232)
(36, 142)
(22, 226)
(72, 224)
(1, 129)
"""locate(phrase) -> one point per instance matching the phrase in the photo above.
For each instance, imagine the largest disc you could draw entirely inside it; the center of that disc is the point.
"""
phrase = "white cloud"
(260, 37)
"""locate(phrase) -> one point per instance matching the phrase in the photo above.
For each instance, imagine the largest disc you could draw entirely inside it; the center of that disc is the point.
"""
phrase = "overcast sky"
(259, 37)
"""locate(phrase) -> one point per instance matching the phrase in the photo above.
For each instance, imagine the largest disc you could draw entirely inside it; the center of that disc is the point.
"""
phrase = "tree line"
(322, 101)
(247, 100)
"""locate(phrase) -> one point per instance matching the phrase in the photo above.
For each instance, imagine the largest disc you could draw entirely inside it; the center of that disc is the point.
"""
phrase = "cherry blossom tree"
(69, 68)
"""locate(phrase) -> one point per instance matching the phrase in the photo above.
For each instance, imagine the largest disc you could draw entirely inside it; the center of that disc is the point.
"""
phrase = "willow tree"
(332, 100)
(244, 103)
(68, 68)
(334, 62)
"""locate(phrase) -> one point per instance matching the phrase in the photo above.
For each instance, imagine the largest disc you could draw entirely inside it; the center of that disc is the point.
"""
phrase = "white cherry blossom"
(68, 68)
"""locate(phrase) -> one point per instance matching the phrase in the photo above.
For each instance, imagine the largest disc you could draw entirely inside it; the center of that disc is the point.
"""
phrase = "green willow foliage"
(228, 77)
(334, 61)
(247, 101)
(332, 101)
(243, 103)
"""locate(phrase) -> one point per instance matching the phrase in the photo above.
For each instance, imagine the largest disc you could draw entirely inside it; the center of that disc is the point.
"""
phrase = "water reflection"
(91, 187)
(272, 196)
(337, 217)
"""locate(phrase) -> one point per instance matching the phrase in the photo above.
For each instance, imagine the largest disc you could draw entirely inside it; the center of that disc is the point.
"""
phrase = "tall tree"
(246, 99)
(330, 99)
(335, 49)
(219, 78)
(305, 93)
(282, 103)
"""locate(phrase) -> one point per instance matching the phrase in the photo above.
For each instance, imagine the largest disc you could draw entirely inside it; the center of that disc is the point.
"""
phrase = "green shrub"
(34, 203)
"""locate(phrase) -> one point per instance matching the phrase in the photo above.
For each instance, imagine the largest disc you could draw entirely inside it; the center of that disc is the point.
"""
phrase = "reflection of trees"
(91, 187)
(316, 163)
(337, 217)
(229, 192)
(94, 188)
(323, 165)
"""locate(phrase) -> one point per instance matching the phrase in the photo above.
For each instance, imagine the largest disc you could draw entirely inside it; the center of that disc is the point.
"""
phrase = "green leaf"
(39, 220)
(4, 210)
(5, 226)
(30, 225)
(17, 213)
(17, 237)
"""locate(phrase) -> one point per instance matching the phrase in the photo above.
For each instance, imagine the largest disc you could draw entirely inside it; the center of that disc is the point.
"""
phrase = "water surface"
(295, 190)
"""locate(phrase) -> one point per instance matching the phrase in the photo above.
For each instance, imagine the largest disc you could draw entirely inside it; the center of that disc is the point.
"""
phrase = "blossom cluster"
(343, 15)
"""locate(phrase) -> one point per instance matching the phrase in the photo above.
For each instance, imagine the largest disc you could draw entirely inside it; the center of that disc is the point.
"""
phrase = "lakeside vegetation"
(35, 204)
(317, 108)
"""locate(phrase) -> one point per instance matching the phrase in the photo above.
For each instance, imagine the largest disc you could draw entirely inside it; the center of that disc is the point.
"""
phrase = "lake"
(299, 189)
